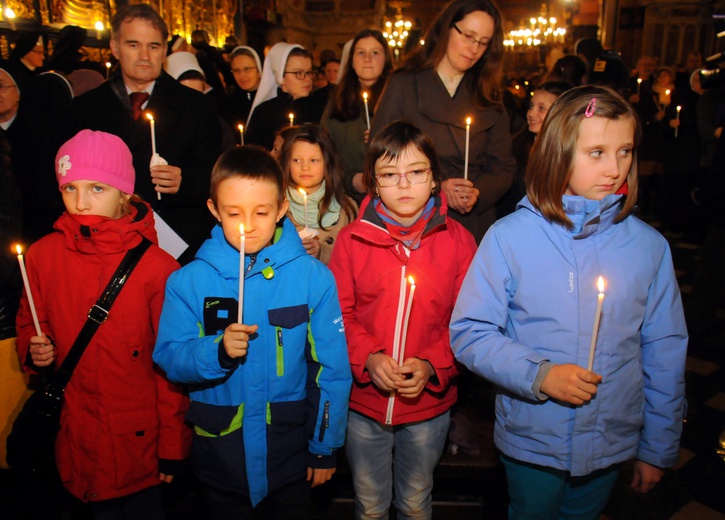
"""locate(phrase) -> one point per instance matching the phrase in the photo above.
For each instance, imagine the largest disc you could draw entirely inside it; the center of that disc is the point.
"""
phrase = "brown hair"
(391, 142)
(252, 162)
(315, 134)
(484, 78)
(143, 11)
(552, 156)
(346, 100)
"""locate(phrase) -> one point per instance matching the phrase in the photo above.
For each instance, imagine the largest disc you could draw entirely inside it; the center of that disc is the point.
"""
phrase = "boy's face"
(252, 202)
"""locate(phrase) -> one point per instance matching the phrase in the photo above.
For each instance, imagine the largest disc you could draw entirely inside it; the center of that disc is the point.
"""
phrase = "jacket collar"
(590, 217)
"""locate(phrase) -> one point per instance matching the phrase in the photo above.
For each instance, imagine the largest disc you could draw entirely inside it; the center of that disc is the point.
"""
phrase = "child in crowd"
(269, 384)
(525, 319)
(310, 163)
(403, 367)
(122, 428)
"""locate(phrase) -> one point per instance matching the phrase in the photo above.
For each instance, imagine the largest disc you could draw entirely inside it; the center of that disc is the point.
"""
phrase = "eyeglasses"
(388, 180)
(299, 74)
(470, 40)
(5, 88)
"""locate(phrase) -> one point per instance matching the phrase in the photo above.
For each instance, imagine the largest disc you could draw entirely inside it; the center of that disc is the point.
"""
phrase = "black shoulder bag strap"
(96, 316)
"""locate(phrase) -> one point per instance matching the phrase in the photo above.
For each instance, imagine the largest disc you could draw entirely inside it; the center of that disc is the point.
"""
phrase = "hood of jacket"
(100, 235)
(286, 246)
(588, 216)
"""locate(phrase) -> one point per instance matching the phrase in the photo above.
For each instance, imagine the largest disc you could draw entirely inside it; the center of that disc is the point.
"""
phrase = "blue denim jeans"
(383, 458)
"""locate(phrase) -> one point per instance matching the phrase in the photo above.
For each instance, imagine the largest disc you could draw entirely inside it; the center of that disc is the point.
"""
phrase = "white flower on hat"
(64, 165)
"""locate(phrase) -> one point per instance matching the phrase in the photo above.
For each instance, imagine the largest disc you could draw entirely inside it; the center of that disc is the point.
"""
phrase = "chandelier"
(541, 31)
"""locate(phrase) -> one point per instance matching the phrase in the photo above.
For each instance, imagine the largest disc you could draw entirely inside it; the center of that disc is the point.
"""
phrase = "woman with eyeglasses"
(247, 71)
(283, 97)
(457, 75)
(366, 69)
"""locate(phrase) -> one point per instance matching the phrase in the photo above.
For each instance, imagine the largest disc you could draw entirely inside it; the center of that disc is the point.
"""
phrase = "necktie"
(137, 100)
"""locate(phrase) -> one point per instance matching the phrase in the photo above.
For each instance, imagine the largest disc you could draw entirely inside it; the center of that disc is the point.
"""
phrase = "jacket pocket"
(211, 420)
(135, 439)
(285, 318)
(286, 440)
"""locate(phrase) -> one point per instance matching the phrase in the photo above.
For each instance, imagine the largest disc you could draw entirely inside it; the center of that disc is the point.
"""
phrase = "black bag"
(31, 443)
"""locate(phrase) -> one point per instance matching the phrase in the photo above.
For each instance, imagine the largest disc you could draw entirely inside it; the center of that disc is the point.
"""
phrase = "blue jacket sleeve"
(664, 349)
(182, 350)
(479, 321)
(328, 366)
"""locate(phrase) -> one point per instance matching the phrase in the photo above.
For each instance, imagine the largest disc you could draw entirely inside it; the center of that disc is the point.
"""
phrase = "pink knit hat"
(96, 156)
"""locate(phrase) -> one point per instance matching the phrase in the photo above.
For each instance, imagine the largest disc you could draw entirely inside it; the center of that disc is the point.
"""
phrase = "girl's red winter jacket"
(369, 265)
(120, 415)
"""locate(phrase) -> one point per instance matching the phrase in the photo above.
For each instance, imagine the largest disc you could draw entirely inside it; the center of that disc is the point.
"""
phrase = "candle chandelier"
(541, 30)
(397, 29)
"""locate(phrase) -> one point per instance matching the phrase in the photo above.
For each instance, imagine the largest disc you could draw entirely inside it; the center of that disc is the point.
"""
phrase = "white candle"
(242, 244)
(367, 112)
(31, 303)
(99, 29)
(241, 133)
(411, 281)
(597, 317)
(468, 139)
(304, 195)
(639, 85)
(108, 69)
(677, 118)
(667, 97)
(153, 143)
(291, 119)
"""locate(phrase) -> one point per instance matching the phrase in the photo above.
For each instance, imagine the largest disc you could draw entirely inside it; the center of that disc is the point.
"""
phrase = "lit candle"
(10, 17)
(411, 281)
(99, 29)
(597, 317)
(304, 195)
(31, 303)
(242, 244)
(667, 97)
(108, 69)
(153, 143)
(639, 85)
(677, 118)
(367, 112)
(468, 139)
(241, 133)
(291, 119)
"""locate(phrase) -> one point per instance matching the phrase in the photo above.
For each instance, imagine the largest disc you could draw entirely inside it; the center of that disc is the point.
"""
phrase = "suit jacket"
(187, 135)
(422, 99)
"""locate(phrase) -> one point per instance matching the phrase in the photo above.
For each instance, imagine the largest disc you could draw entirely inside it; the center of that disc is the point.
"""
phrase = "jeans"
(383, 458)
(541, 493)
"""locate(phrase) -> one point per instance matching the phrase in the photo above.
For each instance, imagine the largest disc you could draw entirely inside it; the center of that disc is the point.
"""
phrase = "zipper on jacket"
(325, 421)
(280, 353)
(252, 260)
(396, 340)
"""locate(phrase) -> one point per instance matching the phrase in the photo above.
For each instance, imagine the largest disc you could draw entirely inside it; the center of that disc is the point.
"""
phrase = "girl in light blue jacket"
(586, 381)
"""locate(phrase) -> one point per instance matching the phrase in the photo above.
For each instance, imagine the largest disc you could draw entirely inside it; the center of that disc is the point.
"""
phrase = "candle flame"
(639, 80)
(241, 128)
(303, 192)
(241, 229)
(411, 280)
(108, 64)
(365, 96)
(667, 92)
(468, 121)
(99, 25)
(149, 116)
(291, 116)
(600, 284)
(19, 249)
(679, 108)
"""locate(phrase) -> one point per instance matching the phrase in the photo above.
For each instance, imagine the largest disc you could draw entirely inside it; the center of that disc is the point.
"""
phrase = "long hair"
(391, 142)
(346, 101)
(484, 78)
(334, 186)
(552, 157)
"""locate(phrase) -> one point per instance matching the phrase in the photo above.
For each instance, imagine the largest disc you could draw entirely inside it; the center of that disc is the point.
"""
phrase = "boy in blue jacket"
(268, 395)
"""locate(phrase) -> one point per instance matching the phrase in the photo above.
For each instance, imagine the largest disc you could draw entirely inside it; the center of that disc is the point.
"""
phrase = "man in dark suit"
(186, 129)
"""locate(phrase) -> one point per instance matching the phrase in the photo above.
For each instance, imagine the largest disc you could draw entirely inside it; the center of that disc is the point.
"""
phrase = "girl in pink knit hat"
(121, 429)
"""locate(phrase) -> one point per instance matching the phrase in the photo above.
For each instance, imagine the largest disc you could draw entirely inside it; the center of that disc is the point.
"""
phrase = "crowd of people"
(334, 248)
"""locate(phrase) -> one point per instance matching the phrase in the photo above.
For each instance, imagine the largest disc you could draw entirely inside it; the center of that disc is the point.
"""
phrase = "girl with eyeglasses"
(404, 373)
(283, 97)
(454, 76)
(247, 71)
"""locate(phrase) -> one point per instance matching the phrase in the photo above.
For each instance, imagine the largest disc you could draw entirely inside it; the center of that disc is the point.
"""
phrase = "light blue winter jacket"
(530, 296)
(259, 422)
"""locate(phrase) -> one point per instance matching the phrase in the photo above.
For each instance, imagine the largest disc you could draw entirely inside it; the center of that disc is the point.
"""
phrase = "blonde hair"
(552, 156)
